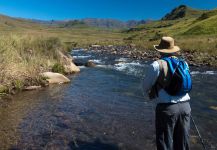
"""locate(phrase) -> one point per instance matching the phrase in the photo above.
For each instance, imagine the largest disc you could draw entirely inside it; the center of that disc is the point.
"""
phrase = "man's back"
(173, 112)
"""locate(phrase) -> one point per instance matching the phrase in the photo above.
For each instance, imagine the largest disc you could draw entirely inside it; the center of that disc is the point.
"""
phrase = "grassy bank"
(23, 58)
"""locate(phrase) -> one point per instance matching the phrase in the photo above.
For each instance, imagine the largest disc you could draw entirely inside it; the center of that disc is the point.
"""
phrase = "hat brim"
(172, 50)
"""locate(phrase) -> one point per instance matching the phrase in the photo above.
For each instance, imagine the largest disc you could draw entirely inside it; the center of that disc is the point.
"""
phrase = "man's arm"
(151, 76)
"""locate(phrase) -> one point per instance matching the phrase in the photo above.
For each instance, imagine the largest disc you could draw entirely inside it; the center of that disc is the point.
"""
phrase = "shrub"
(59, 68)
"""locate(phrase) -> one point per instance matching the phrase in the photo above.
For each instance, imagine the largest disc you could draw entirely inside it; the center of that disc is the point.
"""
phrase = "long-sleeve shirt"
(163, 97)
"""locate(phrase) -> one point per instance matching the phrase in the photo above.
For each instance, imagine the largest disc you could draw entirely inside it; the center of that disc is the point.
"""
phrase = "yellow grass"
(24, 57)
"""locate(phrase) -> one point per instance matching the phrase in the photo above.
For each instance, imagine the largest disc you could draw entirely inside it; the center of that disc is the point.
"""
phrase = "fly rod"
(198, 132)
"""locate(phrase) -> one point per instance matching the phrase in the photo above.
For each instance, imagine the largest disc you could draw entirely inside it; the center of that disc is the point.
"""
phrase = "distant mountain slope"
(104, 23)
(208, 14)
(181, 12)
(10, 23)
(206, 26)
(112, 23)
(94, 22)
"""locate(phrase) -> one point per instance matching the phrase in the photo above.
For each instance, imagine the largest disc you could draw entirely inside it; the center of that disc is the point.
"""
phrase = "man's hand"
(152, 93)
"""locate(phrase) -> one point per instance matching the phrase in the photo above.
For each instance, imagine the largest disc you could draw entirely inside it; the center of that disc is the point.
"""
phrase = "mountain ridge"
(183, 11)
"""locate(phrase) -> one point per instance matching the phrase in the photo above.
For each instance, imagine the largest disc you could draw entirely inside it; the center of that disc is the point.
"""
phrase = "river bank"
(193, 58)
(25, 58)
(102, 108)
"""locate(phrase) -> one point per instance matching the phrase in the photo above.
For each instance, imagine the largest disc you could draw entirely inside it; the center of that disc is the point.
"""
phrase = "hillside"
(182, 20)
(9, 23)
(183, 11)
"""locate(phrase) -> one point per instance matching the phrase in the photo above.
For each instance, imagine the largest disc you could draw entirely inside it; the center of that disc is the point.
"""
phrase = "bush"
(59, 68)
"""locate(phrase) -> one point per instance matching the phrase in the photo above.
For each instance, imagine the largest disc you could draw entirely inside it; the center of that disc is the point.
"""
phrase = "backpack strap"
(172, 68)
(164, 73)
(162, 80)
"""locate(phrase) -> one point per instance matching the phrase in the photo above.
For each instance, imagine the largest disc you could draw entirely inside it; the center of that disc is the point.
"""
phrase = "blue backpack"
(180, 82)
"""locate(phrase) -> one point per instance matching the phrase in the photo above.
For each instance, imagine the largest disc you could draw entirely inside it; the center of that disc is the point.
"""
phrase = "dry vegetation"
(23, 58)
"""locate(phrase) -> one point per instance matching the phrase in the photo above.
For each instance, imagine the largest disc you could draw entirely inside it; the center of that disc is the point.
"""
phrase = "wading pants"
(173, 126)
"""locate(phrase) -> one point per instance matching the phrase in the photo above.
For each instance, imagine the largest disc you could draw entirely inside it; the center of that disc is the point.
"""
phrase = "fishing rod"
(198, 132)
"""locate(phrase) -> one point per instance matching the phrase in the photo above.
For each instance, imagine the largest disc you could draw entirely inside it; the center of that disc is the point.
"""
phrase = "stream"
(102, 108)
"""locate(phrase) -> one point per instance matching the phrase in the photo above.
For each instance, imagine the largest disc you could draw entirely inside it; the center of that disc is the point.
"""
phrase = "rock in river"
(90, 64)
(55, 77)
(68, 64)
(30, 88)
(71, 68)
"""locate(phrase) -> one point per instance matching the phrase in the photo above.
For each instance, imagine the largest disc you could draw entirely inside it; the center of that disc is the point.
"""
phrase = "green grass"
(208, 14)
(206, 26)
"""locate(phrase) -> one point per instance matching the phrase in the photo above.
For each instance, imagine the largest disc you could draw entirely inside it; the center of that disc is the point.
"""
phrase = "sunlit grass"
(24, 57)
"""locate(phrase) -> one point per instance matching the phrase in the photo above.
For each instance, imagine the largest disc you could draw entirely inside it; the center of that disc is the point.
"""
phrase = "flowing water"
(103, 108)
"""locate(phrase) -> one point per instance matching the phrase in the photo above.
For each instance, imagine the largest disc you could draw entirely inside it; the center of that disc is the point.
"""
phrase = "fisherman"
(172, 111)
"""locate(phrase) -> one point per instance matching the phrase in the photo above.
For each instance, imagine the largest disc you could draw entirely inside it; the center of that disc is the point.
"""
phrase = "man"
(172, 121)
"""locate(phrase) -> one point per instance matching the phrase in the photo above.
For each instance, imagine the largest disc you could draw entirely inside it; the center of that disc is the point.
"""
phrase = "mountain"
(10, 23)
(182, 20)
(94, 22)
(15, 23)
(183, 11)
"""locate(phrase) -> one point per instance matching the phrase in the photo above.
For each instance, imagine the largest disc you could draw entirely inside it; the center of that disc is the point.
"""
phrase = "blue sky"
(76, 9)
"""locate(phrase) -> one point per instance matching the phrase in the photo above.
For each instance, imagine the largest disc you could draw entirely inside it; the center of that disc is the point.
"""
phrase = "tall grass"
(22, 58)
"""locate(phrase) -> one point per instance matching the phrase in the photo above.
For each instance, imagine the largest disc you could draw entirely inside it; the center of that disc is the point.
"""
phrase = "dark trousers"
(173, 126)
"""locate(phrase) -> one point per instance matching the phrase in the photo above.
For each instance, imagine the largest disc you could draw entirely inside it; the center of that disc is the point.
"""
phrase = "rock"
(55, 77)
(95, 46)
(79, 63)
(132, 45)
(90, 64)
(114, 52)
(67, 62)
(70, 57)
(213, 107)
(30, 88)
(71, 68)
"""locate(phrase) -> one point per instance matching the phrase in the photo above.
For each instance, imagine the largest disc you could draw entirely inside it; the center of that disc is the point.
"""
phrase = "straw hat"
(167, 45)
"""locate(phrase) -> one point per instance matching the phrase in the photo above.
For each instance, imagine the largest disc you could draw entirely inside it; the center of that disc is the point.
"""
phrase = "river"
(103, 108)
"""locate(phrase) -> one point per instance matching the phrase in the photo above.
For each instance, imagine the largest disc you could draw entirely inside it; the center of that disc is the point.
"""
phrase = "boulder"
(79, 63)
(30, 88)
(55, 77)
(67, 62)
(213, 107)
(90, 64)
(71, 68)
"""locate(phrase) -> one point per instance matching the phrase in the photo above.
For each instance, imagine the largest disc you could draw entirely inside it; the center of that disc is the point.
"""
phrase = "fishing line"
(198, 132)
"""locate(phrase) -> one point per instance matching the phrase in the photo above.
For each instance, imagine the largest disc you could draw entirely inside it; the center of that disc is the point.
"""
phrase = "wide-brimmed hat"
(167, 45)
